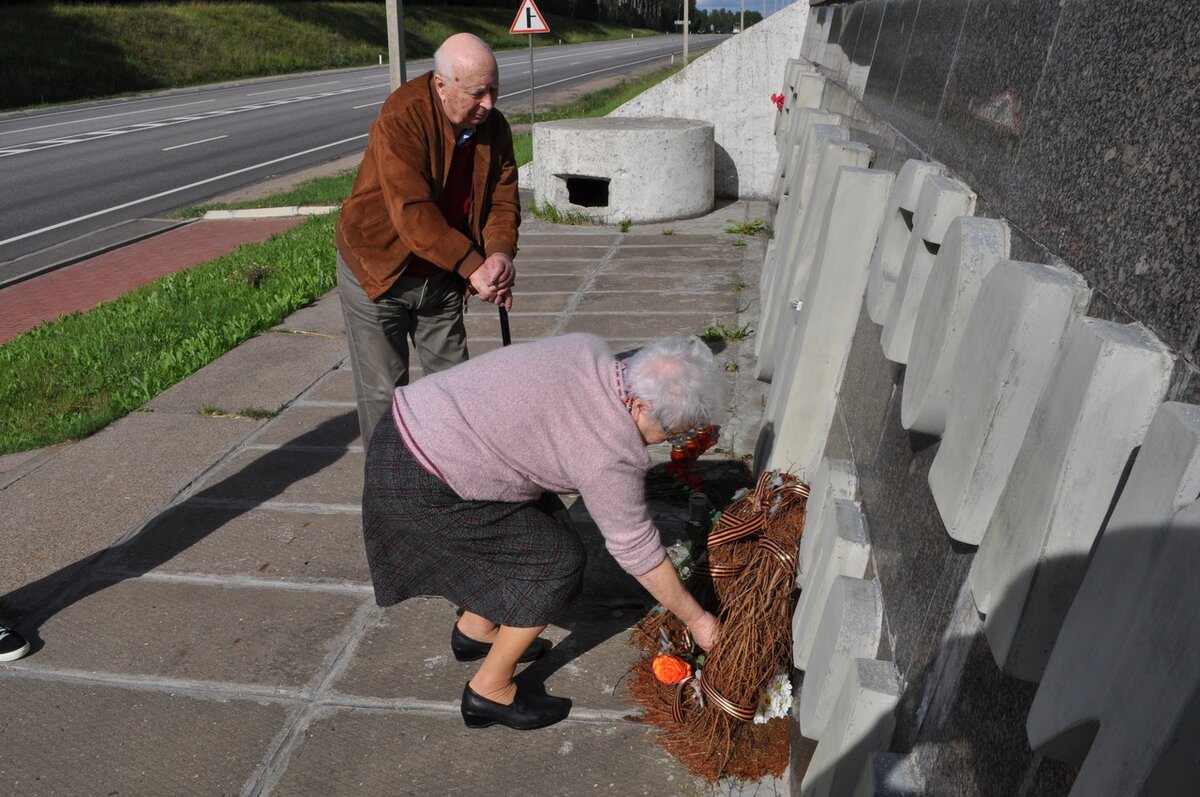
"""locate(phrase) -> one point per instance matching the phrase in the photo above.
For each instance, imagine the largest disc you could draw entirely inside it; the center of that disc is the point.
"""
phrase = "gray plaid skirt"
(517, 564)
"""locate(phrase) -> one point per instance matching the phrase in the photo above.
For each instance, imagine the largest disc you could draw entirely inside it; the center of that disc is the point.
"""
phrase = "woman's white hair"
(678, 378)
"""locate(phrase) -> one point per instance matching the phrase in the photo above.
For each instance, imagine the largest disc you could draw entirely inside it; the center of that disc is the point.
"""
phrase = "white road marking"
(368, 105)
(564, 80)
(293, 88)
(177, 189)
(194, 143)
(106, 116)
(34, 146)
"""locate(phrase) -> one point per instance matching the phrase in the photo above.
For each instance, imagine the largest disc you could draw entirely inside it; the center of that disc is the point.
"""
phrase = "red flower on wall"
(778, 100)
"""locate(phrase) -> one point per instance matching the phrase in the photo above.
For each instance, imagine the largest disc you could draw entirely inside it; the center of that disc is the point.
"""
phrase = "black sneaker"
(12, 645)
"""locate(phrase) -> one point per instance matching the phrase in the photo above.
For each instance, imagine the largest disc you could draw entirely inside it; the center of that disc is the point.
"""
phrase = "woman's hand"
(705, 631)
(663, 583)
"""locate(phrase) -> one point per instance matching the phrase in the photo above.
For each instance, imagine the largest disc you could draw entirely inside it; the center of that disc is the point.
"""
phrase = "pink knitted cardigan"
(524, 419)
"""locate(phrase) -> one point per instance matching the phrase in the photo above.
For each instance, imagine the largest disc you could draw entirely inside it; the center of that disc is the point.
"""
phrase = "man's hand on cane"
(493, 280)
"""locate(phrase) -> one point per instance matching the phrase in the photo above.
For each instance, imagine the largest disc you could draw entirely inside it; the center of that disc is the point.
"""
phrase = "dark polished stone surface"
(870, 385)
(982, 746)
(1108, 162)
(992, 90)
(868, 34)
(891, 50)
(931, 54)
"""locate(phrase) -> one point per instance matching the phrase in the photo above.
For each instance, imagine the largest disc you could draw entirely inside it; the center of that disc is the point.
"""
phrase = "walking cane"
(505, 335)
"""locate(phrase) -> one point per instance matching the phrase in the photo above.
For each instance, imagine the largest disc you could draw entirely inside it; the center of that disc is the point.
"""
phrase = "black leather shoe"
(527, 712)
(467, 649)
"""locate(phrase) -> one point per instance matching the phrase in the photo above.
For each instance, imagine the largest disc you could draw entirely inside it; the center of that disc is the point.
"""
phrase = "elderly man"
(433, 215)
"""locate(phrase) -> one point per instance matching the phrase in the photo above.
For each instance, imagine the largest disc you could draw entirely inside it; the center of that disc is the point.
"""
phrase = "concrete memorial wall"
(993, 397)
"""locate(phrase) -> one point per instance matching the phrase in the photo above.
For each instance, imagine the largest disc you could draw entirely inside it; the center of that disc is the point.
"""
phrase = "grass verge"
(331, 190)
(70, 377)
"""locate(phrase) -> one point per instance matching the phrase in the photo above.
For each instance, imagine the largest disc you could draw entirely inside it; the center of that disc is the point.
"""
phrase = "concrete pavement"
(198, 598)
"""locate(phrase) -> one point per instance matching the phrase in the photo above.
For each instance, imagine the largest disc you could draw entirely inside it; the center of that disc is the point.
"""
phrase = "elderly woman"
(459, 495)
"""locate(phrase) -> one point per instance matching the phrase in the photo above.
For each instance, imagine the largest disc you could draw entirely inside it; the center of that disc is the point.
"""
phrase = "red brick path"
(85, 284)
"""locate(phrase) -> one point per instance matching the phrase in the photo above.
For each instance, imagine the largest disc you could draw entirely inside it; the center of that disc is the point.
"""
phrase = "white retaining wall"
(731, 86)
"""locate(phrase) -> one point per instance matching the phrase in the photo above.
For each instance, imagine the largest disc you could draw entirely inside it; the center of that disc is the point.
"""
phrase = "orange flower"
(670, 669)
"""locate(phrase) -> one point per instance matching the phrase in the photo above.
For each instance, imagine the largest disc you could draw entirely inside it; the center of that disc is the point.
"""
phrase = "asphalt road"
(70, 171)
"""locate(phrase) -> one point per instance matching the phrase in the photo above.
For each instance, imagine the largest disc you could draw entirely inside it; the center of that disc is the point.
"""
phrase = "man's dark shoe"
(12, 645)
(467, 649)
(527, 712)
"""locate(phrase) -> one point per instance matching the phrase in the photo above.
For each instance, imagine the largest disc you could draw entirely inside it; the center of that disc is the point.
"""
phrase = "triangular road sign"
(529, 19)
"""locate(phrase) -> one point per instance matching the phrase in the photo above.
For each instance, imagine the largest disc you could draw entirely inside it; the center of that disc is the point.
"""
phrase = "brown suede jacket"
(392, 212)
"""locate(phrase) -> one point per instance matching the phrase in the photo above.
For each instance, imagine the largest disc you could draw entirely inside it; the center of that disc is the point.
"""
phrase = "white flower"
(775, 700)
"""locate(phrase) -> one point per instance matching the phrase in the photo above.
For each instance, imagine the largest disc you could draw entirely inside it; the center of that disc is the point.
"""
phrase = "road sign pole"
(686, 25)
(529, 21)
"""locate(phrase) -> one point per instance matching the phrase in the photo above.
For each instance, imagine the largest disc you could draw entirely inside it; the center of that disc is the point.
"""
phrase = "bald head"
(462, 52)
(466, 79)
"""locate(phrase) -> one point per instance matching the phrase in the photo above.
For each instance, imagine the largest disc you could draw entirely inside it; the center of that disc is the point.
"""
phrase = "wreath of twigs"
(746, 576)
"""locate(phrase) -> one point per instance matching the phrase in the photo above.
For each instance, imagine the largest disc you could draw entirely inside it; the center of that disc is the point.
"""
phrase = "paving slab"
(656, 301)
(89, 738)
(632, 250)
(389, 753)
(541, 256)
(18, 465)
(538, 281)
(574, 236)
(650, 325)
(337, 385)
(183, 630)
(675, 267)
(581, 265)
(93, 492)
(676, 239)
(541, 301)
(264, 373)
(523, 326)
(256, 543)
(324, 316)
(317, 425)
(707, 281)
(289, 475)
(405, 656)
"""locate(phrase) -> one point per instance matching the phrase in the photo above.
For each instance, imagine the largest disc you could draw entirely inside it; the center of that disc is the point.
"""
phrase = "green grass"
(70, 377)
(751, 227)
(719, 331)
(548, 212)
(322, 191)
(60, 52)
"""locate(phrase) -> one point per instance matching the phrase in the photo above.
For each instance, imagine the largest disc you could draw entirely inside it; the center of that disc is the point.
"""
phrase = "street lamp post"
(397, 74)
(686, 25)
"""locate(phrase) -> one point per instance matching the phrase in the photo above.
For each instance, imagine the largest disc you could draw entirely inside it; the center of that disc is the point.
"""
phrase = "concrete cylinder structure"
(615, 169)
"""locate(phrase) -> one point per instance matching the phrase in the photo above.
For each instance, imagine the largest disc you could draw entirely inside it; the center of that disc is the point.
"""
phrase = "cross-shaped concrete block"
(971, 248)
(942, 199)
(1118, 697)
(1004, 360)
(897, 231)
(1095, 410)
